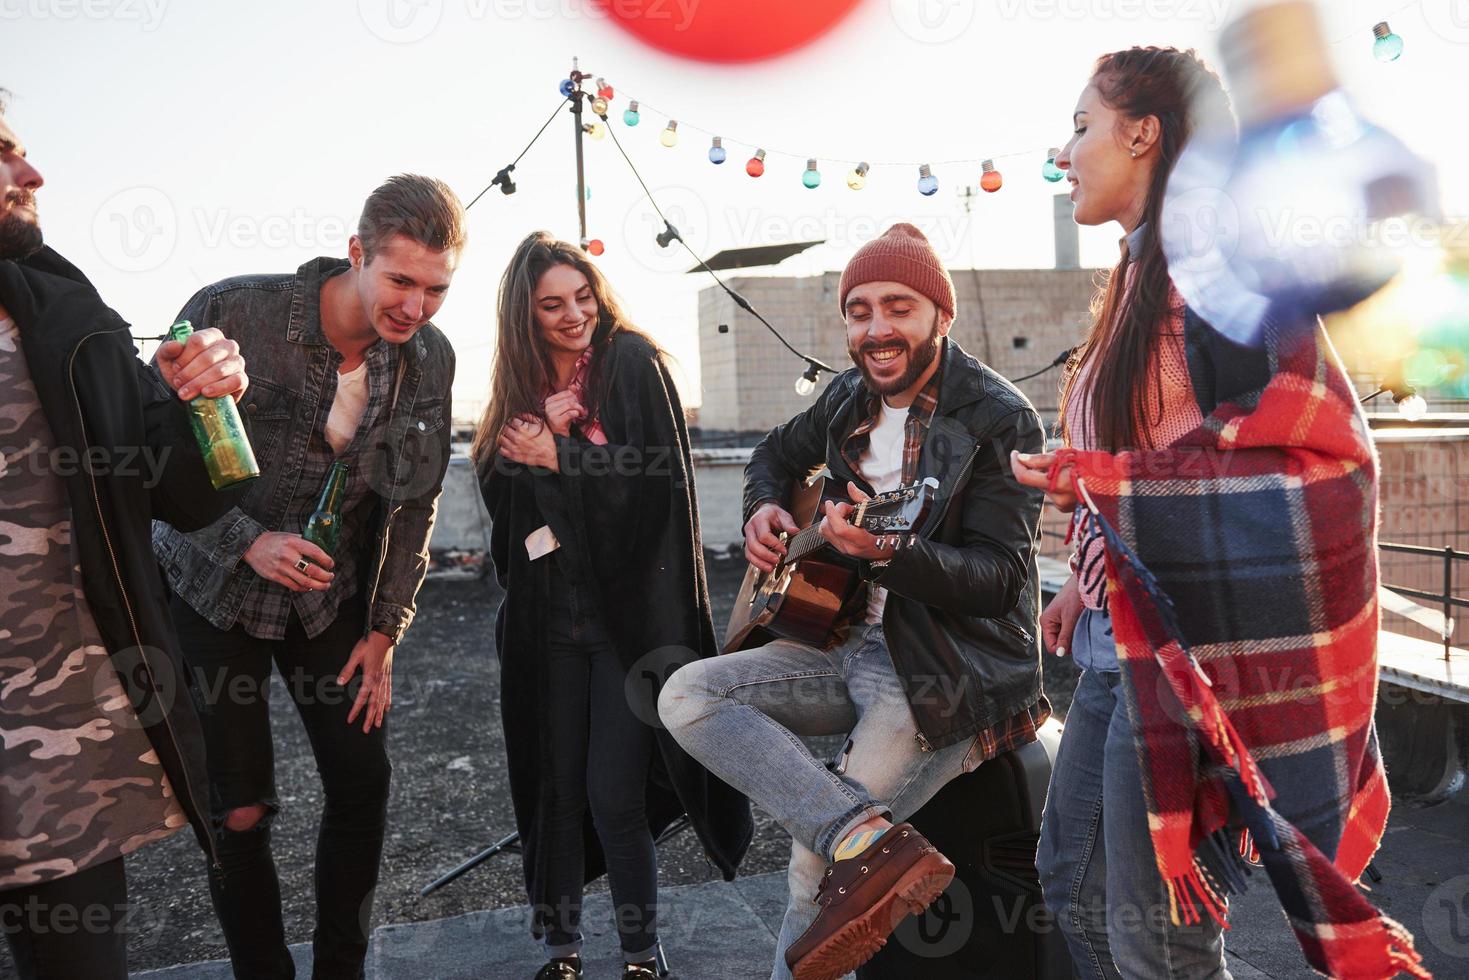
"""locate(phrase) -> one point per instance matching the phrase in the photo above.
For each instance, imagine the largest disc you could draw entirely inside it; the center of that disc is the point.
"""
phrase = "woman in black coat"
(585, 468)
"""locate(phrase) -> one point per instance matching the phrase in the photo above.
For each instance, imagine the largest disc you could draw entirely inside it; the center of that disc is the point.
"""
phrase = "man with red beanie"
(939, 669)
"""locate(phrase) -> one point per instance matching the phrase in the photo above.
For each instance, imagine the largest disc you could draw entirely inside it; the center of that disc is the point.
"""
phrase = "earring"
(1134, 154)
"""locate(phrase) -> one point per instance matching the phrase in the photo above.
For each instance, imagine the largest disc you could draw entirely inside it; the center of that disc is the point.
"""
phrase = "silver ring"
(302, 565)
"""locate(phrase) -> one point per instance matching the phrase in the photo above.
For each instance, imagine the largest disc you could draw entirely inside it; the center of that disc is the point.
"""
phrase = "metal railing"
(1445, 599)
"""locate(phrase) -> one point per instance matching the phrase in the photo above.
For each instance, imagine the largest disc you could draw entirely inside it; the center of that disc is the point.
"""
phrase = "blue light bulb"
(1388, 45)
(567, 88)
(1049, 170)
(928, 184)
(630, 115)
(716, 151)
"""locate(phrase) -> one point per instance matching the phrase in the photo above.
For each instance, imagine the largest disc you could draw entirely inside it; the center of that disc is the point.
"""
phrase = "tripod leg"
(508, 843)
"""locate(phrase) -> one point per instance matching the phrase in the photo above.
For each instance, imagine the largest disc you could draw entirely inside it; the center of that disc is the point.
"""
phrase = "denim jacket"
(276, 321)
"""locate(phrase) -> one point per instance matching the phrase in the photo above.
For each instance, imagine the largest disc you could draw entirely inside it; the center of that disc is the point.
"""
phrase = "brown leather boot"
(863, 898)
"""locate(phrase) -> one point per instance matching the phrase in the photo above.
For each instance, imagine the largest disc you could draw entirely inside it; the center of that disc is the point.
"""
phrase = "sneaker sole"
(858, 941)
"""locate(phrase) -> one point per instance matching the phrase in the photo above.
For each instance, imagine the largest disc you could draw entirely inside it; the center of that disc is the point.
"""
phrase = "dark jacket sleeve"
(178, 483)
(985, 573)
(406, 557)
(793, 450)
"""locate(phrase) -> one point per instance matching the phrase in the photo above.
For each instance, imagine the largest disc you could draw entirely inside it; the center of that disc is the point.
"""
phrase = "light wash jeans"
(1097, 868)
(741, 715)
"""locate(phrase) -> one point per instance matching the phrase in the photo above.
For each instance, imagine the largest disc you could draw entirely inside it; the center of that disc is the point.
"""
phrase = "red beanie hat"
(902, 254)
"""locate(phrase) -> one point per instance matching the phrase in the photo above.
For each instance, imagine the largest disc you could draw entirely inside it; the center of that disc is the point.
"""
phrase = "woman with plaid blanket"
(1223, 606)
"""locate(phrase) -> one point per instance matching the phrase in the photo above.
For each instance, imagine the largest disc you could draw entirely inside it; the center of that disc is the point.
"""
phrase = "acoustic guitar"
(804, 596)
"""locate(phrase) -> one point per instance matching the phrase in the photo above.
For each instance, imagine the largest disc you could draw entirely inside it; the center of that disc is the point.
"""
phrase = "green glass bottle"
(216, 423)
(324, 526)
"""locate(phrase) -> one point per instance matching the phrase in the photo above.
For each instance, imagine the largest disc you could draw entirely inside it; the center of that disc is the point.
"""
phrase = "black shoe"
(641, 971)
(564, 969)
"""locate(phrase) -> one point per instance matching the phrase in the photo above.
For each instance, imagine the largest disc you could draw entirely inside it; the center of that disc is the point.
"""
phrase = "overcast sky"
(185, 141)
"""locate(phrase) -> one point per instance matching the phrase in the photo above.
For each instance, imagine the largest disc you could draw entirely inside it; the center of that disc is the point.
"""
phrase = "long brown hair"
(523, 368)
(1183, 93)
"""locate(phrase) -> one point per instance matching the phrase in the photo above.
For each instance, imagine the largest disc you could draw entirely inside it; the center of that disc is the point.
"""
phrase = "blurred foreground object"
(1285, 219)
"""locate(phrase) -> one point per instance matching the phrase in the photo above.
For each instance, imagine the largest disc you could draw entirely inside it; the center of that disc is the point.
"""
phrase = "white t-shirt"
(9, 336)
(347, 408)
(882, 466)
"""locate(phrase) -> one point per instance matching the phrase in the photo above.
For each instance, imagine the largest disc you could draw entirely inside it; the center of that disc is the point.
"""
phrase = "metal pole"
(581, 179)
(1448, 591)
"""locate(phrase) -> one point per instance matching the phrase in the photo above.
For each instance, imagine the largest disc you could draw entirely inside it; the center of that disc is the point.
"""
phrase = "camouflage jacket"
(106, 410)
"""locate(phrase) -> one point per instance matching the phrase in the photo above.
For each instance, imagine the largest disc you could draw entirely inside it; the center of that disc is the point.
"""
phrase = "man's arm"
(985, 574)
(405, 563)
(791, 451)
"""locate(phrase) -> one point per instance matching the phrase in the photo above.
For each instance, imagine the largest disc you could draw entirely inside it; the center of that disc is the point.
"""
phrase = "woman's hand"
(1034, 470)
(1058, 621)
(528, 440)
(562, 410)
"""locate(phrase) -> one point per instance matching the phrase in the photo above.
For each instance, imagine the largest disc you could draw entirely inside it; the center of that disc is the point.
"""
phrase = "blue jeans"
(1096, 862)
(741, 715)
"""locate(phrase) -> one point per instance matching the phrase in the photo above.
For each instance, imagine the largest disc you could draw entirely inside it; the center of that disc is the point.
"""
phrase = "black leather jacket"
(963, 604)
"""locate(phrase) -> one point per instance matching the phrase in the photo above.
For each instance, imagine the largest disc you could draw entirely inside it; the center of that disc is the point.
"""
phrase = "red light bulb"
(991, 179)
(756, 166)
(595, 246)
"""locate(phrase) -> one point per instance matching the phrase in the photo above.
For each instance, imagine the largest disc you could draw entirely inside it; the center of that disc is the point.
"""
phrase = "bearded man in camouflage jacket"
(100, 749)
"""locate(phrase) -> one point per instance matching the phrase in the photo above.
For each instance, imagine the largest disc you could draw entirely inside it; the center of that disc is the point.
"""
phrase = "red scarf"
(1242, 580)
(589, 427)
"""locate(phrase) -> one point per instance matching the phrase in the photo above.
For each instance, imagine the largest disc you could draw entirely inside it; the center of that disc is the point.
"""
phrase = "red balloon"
(728, 30)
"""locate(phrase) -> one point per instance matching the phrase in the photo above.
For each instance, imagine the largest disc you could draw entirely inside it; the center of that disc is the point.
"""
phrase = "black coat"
(100, 399)
(627, 517)
(964, 598)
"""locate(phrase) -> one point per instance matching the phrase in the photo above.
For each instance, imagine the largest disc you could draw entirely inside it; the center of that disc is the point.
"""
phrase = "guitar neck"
(804, 543)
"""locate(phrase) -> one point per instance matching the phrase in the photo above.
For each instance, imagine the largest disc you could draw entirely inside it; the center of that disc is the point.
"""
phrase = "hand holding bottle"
(290, 560)
(207, 364)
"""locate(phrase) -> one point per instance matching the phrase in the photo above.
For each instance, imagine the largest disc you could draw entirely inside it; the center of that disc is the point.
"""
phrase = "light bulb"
(1388, 45)
(717, 153)
(630, 115)
(567, 87)
(669, 137)
(604, 91)
(990, 179)
(806, 383)
(928, 184)
(1050, 171)
(756, 166)
(595, 130)
(812, 177)
(1238, 212)
(599, 106)
(1413, 408)
(595, 246)
(857, 179)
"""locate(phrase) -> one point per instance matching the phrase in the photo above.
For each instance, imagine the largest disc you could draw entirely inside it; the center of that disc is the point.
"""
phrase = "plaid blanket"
(1242, 580)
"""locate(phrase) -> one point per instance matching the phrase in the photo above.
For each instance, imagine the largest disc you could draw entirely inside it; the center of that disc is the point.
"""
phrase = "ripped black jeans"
(231, 673)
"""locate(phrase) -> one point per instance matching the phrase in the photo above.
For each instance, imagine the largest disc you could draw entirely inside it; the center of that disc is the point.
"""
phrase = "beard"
(920, 356)
(20, 237)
